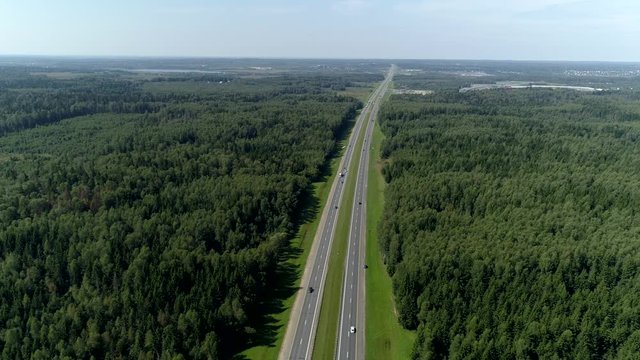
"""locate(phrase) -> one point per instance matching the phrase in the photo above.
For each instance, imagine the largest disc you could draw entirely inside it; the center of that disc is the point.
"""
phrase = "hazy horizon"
(276, 58)
(519, 30)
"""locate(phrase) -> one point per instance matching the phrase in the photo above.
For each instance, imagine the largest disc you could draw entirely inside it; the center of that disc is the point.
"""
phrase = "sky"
(582, 30)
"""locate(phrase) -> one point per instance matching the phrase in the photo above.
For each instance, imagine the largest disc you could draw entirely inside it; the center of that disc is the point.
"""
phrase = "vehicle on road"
(310, 289)
(301, 338)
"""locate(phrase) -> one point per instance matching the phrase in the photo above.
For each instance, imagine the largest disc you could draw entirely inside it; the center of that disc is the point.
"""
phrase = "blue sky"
(426, 29)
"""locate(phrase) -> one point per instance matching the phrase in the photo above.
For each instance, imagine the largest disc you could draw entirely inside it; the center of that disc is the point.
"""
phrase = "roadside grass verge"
(326, 335)
(359, 92)
(385, 338)
(272, 330)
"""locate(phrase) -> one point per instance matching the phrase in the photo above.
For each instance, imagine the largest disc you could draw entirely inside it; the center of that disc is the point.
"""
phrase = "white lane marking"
(349, 316)
(309, 306)
(350, 301)
(301, 341)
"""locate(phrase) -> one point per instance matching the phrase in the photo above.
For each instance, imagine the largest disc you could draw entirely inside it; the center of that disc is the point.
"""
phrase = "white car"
(352, 330)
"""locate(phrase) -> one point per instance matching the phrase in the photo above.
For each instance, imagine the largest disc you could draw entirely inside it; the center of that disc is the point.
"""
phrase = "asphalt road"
(306, 310)
(352, 319)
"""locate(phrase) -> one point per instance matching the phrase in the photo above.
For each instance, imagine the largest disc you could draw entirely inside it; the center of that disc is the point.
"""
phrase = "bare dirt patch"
(412, 92)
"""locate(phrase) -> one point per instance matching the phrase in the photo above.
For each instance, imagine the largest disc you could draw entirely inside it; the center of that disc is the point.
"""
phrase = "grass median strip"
(326, 336)
(385, 338)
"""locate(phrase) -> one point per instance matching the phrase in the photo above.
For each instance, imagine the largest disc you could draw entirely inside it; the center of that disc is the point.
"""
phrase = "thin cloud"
(349, 6)
(453, 7)
(185, 10)
(276, 10)
(586, 8)
(221, 9)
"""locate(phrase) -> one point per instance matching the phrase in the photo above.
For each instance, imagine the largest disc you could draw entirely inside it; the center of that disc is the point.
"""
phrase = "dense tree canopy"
(147, 219)
(511, 222)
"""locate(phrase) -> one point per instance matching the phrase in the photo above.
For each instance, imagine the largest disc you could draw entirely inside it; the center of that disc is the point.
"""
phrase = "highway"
(352, 310)
(303, 322)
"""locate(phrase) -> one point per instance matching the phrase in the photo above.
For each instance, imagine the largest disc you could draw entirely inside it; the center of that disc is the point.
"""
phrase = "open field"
(359, 92)
(412, 92)
(525, 85)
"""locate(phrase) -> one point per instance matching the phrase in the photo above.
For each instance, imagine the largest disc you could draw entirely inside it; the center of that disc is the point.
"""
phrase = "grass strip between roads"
(385, 338)
(326, 336)
(302, 242)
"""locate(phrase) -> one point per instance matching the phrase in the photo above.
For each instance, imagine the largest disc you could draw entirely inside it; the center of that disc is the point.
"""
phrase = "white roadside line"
(366, 111)
(364, 162)
(381, 90)
(354, 135)
(294, 321)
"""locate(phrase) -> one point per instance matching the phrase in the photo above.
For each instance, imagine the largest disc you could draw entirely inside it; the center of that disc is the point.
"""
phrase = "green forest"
(511, 223)
(145, 216)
